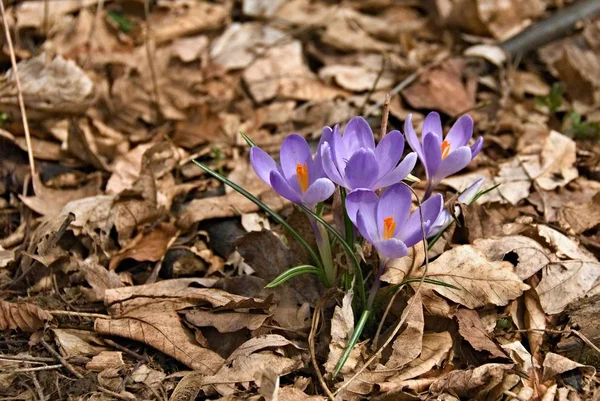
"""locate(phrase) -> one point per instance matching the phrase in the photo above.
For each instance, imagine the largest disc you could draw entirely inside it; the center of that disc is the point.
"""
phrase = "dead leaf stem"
(62, 360)
(13, 61)
(79, 314)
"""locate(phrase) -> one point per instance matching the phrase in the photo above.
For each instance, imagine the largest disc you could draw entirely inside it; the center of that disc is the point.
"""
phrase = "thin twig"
(408, 307)
(35, 369)
(150, 58)
(385, 313)
(126, 350)
(26, 358)
(116, 395)
(374, 86)
(62, 360)
(79, 314)
(311, 343)
(13, 61)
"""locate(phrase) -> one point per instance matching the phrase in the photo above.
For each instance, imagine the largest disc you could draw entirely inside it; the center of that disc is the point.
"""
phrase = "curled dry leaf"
(471, 329)
(147, 247)
(25, 317)
(227, 322)
(529, 255)
(472, 382)
(407, 346)
(50, 88)
(555, 364)
(436, 347)
(571, 274)
(342, 326)
(479, 281)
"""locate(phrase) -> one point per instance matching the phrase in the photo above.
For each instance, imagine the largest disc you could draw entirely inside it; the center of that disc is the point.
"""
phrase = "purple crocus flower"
(446, 218)
(387, 223)
(442, 157)
(354, 162)
(299, 178)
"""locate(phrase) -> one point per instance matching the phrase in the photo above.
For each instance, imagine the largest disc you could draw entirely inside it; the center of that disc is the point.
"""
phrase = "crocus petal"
(358, 135)
(294, 150)
(282, 187)
(361, 170)
(318, 161)
(433, 123)
(262, 164)
(476, 147)
(361, 199)
(399, 173)
(339, 152)
(412, 231)
(469, 194)
(395, 202)
(318, 191)
(460, 133)
(366, 228)
(443, 220)
(329, 166)
(411, 137)
(389, 151)
(391, 248)
(456, 161)
(432, 150)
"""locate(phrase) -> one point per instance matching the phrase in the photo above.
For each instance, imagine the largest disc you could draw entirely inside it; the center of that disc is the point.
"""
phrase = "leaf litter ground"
(126, 272)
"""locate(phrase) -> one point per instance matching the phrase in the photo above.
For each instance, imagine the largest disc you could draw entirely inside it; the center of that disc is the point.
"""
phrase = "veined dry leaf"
(519, 354)
(98, 277)
(472, 330)
(25, 317)
(441, 88)
(147, 247)
(570, 276)
(530, 255)
(227, 322)
(472, 382)
(407, 346)
(555, 364)
(149, 313)
(436, 347)
(260, 343)
(435, 305)
(480, 282)
(535, 321)
(342, 326)
(582, 217)
(73, 342)
(150, 377)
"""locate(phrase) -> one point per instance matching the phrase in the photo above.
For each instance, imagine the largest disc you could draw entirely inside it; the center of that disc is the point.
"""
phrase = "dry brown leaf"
(480, 282)
(106, 360)
(260, 343)
(407, 346)
(441, 88)
(356, 78)
(436, 347)
(520, 356)
(195, 18)
(555, 364)
(529, 255)
(570, 275)
(582, 217)
(281, 73)
(50, 88)
(342, 326)
(149, 313)
(49, 201)
(227, 322)
(472, 382)
(147, 247)
(98, 277)
(535, 321)
(472, 330)
(73, 342)
(25, 317)
(148, 376)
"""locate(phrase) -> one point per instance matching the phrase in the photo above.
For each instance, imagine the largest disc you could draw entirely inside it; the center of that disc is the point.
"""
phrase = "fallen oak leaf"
(477, 281)
(472, 330)
(25, 317)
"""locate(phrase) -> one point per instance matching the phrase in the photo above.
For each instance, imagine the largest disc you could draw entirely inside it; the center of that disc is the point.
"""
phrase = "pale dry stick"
(79, 314)
(311, 344)
(26, 358)
(374, 86)
(36, 383)
(126, 350)
(13, 61)
(62, 360)
(116, 395)
(35, 369)
(386, 115)
(385, 313)
(150, 58)
(408, 307)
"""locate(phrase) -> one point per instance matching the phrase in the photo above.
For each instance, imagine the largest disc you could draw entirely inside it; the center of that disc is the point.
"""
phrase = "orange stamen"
(389, 226)
(302, 175)
(445, 149)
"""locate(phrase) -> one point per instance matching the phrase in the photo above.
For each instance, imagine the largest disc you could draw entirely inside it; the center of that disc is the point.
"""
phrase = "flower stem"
(347, 222)
(322, 239)
(428, 191)
(376, 283)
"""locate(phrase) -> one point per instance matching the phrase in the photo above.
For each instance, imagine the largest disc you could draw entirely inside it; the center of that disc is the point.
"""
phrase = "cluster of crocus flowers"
(378, 203)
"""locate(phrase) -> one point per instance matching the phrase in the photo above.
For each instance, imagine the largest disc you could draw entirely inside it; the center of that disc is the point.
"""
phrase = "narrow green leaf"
(249, 141)
(349, 252)
(348, 226)
(360, 326)
(485, 191)
(267, 209)
(293, 272)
